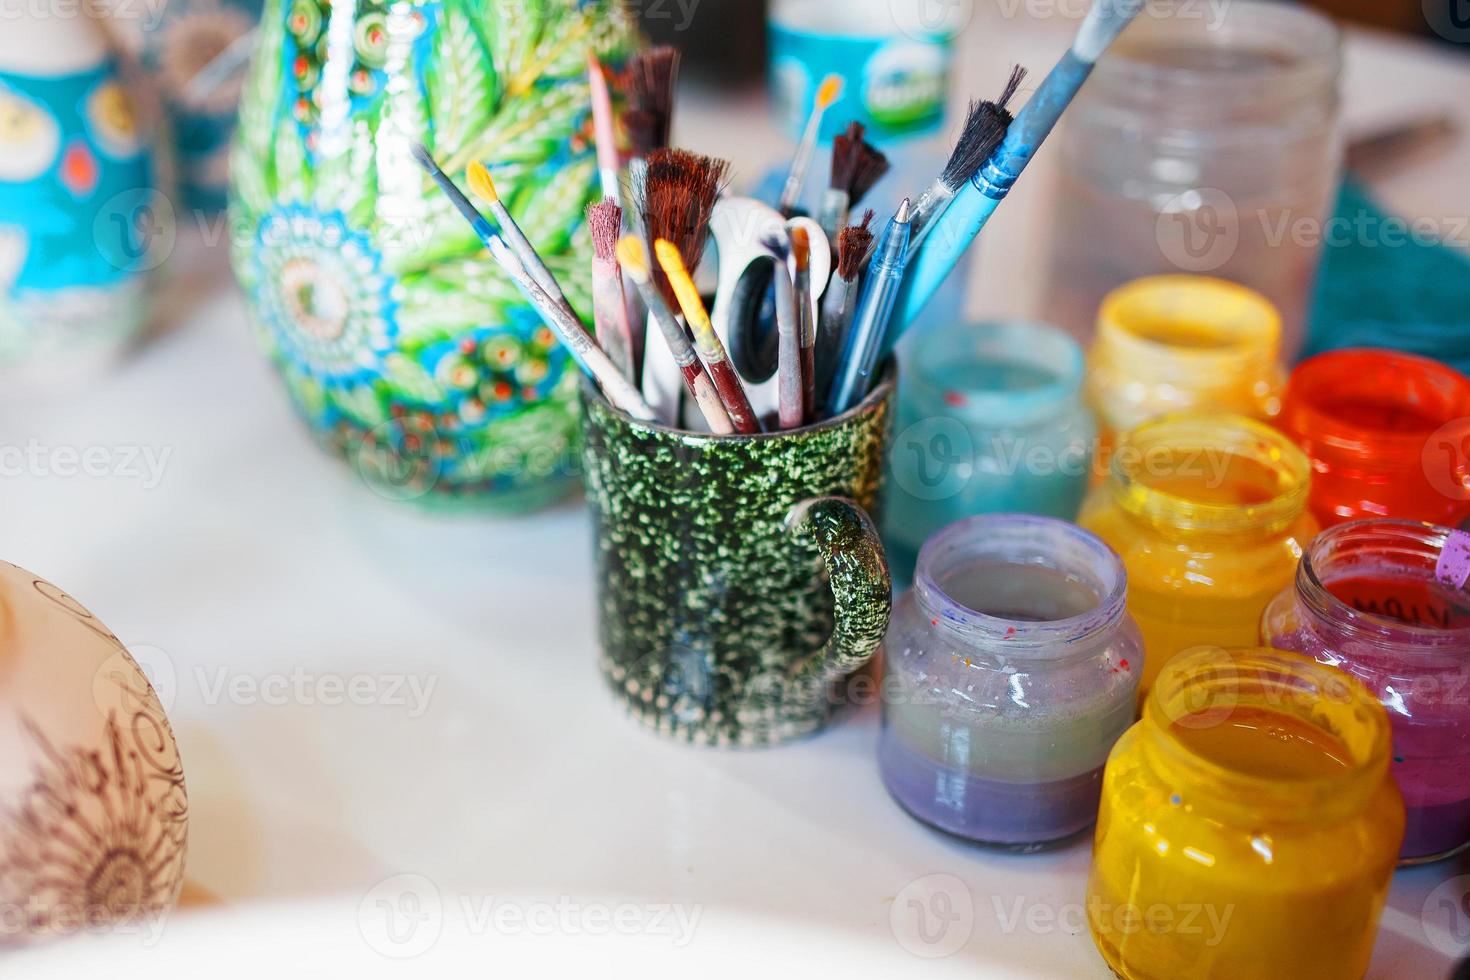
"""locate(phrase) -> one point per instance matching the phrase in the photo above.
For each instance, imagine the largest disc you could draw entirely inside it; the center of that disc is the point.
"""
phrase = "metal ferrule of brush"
(832, 214)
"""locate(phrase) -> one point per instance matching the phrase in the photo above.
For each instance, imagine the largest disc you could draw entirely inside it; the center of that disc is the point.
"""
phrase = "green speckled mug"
(739, 577)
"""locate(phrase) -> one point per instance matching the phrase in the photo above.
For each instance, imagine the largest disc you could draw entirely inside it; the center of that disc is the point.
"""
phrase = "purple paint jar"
(1367, 599)
(1011, 668)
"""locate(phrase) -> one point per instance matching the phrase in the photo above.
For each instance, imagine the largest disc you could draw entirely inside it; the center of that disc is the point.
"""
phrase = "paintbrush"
(604, 130)
(634, 257)
(483, 186)
(587, 355)
(609, 304)
(854, 246)
(791, 413)
(801, 280)
(678, 196)
(951, 234)
(856, 166)
(711, 351)
(985, 126)
(827, 93)
(860, 353)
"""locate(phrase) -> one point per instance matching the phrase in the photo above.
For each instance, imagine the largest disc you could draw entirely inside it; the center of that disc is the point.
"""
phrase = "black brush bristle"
(677, 200)
(853, 246)
(985, 126)
(778, 245)
(650, 79)
(856, 164)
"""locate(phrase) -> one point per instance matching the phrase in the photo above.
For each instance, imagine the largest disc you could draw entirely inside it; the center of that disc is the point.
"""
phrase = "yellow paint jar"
(1183, 344)
(1209, 513)
(1249, 825)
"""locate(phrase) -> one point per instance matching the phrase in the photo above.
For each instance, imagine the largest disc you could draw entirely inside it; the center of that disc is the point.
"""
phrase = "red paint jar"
(1388, 435)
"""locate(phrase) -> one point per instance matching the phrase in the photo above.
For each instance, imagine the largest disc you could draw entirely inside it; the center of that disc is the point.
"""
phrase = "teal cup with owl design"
(80, 228)
(401, 342)
(739, 578)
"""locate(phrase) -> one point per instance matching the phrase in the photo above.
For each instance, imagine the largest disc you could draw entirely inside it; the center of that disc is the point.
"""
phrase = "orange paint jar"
(1388, 435)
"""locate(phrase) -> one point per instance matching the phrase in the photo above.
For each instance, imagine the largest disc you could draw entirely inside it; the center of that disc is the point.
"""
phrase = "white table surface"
(256, 557)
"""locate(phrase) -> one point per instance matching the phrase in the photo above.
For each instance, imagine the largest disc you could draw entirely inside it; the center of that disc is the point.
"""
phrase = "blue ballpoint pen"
(952, 232)
(859, 358)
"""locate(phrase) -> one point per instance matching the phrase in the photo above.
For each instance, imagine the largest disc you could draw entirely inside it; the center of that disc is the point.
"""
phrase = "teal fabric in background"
(1382, 285)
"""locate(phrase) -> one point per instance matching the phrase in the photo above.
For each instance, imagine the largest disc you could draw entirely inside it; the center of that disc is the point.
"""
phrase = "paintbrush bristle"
(985, 126)
(856, 164)
(649, 81)
(677, 200)
(633, 256)
(423, 157)
(778, 244)
(829, 92)
(853, 245)
(605, 222)
(801, 247)
(481, 182)
(643, 132)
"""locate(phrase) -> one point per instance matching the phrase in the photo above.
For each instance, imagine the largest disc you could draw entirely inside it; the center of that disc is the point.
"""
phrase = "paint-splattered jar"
(990, 420)
(1387, 434)
(1183, 344)
(1209, 514)
(1367, 599)
(1011, 667)
(1249, 825)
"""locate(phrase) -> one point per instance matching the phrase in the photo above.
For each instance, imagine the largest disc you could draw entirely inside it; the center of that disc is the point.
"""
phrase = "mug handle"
(862, 590)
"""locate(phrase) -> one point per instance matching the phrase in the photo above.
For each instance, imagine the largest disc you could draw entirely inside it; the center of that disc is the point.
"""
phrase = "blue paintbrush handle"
(954, 231)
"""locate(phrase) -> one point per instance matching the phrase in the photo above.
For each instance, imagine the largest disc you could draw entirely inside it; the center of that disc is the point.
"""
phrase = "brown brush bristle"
(649, 80)
(853, 245)
(605, 222)
(801, 247)
(677, 200)
(856, 164)
(642, 129)
(985, 127)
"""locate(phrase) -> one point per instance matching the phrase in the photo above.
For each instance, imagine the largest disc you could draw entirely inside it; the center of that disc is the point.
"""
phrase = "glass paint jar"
(990, 420)
(1010, 669)
(1248, 826)
(1368, 599)
(1202, 144)
(1209, 514)
(1183, 344)
(1386, 433)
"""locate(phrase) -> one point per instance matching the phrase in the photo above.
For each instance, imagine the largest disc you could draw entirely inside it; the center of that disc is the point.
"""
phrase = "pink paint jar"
(1368, 599)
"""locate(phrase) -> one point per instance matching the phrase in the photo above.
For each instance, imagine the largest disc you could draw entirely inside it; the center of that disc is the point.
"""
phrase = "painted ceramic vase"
(740, 579)
(400, 341)
(94, 816)
(77, 224)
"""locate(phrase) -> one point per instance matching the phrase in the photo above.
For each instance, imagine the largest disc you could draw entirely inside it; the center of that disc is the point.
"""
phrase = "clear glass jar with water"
(1205, 143)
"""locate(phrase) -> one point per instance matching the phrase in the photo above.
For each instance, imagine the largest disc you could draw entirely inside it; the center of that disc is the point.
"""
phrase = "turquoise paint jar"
(990, 420)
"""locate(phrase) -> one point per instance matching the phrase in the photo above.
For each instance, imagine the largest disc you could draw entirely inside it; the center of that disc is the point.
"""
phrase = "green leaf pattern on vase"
(400, 341)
